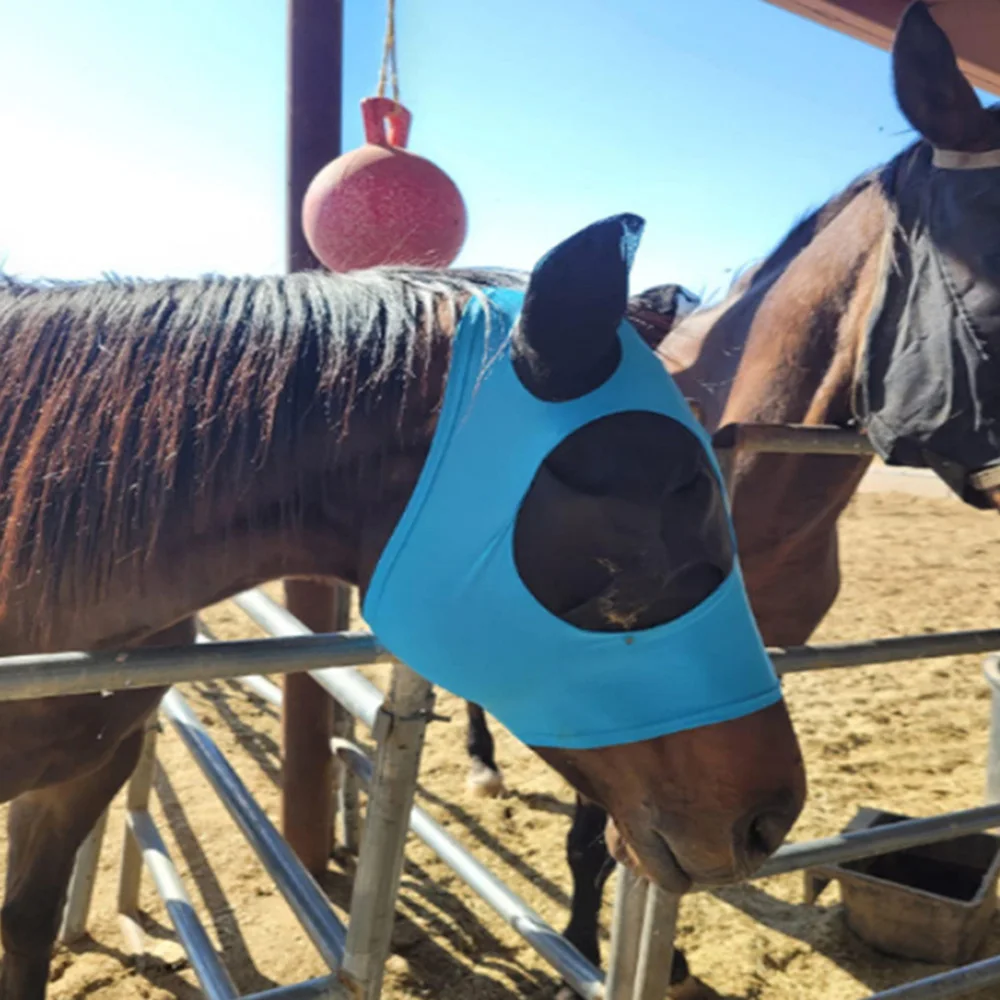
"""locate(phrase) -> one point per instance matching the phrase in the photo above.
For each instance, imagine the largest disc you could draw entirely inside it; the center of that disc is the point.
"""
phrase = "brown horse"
(167, 444)
(879, 311)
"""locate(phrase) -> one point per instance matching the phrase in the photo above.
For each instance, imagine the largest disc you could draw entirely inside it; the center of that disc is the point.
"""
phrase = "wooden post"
(309, 785)
(314, 98)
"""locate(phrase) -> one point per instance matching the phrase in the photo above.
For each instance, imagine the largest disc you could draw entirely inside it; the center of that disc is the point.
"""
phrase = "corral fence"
(644, 917)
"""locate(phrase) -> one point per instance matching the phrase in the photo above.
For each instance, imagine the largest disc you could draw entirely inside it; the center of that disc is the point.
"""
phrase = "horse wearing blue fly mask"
(447, 597)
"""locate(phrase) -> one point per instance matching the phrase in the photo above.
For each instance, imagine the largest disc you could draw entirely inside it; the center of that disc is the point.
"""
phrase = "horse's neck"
(183, 570)
(782, 346)
(703, 354)
(330, 520)
(784, 351)
(321, 503)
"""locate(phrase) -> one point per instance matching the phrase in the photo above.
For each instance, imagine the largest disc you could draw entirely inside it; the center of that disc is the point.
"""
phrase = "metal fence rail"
(55, 674)
(303, 895)
(895, 649)
(954, 983)
(882, 840)
(792, 439)
(345, 684)
(207, 966)
(324, 988)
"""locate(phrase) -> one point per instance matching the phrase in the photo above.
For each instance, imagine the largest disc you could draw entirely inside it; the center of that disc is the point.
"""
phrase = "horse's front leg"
(45, 828)
(485, 778)
(591, 866)
(47, 825)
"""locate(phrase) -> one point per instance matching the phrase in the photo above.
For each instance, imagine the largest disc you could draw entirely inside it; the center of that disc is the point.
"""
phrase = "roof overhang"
(973, 27)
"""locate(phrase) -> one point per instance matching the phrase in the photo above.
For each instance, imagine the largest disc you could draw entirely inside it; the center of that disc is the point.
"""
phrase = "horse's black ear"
(566, 342)
(931, 90)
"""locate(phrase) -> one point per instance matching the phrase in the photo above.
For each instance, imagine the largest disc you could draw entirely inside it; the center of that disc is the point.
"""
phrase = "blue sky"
(148, 137)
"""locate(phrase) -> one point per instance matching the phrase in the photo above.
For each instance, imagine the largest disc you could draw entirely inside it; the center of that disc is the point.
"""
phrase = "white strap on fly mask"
(952, 159)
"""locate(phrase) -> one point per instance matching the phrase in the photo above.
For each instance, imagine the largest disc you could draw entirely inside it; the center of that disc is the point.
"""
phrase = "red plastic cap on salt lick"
(382, 204)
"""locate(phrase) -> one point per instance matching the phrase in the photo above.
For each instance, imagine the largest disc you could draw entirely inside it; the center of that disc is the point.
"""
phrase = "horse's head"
(942, 309)
(625, 528)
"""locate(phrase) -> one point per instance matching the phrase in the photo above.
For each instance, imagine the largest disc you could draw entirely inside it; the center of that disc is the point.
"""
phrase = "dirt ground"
(909, 737)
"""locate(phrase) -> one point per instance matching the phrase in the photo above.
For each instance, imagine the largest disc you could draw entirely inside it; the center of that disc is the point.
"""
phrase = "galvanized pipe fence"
(356, 953)
(644, 918)
(364, 700)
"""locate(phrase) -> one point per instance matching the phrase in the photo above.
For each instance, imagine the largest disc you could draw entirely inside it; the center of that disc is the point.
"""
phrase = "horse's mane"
(802, 233)
(114, 393)
(805, 230)
(751, 283)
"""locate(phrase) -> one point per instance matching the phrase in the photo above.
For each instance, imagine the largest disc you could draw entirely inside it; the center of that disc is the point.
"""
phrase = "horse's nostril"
(759, 840)
(760, 833)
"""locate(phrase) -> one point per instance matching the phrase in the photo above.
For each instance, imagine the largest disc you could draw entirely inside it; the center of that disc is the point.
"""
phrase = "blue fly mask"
(447, 598)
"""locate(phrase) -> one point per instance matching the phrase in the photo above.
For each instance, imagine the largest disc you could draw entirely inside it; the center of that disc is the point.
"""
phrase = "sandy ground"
(910, 737)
